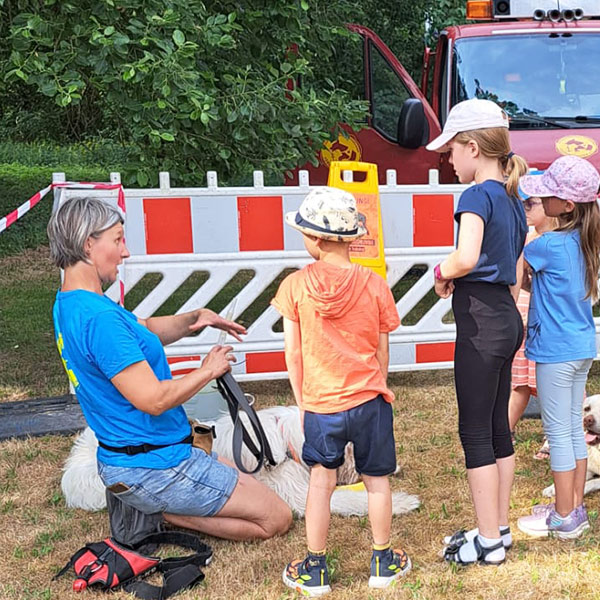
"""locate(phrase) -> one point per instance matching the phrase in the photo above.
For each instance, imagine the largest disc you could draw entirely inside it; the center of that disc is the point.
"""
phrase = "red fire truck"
(538, 59)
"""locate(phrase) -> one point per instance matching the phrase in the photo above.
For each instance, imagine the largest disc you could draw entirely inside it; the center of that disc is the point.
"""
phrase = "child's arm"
(526, 274)
(383, 354)
(464, 259)
(515, 289)
(293, 357)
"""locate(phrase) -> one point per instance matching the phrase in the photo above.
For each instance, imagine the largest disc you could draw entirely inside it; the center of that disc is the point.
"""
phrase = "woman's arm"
(383, 353)
(174, 327)
(293, 357)
(463, 260)
(140, 386)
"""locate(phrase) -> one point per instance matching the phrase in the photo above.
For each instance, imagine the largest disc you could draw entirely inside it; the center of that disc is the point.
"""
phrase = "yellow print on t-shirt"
(70, 374)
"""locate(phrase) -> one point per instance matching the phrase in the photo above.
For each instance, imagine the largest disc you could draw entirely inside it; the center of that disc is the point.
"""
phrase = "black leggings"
(489, 331)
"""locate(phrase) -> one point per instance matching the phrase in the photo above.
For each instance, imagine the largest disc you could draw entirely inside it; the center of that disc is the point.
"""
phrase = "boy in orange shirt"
(336, 319)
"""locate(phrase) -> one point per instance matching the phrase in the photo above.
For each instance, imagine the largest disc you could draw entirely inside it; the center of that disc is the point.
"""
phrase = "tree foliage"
(190, 86)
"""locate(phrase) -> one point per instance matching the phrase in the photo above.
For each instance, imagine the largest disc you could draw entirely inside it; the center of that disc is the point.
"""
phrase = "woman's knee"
(279, 521)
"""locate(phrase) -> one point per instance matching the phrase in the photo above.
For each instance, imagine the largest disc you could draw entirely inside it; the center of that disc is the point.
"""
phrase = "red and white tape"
(12, 217)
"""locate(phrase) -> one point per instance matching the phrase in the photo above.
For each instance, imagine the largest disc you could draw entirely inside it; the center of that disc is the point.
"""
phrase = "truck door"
(387, 86)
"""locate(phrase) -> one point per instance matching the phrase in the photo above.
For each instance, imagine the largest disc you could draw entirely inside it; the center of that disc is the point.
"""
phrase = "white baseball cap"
(467, 116)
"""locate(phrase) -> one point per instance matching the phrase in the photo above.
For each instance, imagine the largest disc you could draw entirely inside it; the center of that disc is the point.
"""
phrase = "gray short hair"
(73, 223)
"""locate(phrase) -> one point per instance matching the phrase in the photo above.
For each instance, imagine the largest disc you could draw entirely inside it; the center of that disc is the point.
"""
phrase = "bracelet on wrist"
(437, 272)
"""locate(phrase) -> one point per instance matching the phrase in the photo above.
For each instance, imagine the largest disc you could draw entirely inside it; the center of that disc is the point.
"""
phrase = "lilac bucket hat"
(568, 177)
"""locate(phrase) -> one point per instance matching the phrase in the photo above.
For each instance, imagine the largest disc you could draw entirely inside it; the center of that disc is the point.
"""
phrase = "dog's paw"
(549, 491)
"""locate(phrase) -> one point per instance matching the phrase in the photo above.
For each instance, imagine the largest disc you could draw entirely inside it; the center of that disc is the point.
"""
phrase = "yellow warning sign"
(344, 148)
(367, 250)
(577, 145)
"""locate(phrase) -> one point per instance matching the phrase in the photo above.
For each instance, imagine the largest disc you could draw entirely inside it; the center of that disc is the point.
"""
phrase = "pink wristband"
(437, 272)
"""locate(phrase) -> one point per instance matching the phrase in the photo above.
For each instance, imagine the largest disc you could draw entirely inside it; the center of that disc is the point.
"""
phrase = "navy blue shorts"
(368, 426)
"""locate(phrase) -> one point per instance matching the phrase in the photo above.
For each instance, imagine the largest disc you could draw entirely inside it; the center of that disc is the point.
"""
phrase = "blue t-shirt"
(97, 339)
(560, 325)
(504, 233)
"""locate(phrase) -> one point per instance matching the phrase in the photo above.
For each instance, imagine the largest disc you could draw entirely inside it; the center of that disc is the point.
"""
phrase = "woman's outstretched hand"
(219, 360)
(209, 318)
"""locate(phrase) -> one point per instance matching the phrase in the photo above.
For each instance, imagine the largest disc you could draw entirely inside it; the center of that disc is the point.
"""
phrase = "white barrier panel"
(176, 232)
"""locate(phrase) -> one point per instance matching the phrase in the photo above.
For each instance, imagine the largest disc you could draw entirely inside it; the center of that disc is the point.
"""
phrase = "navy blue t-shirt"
(504, 233)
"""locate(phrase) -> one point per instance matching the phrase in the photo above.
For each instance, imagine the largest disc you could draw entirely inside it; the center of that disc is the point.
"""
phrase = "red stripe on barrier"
(433, 220)
(182, 372)
(177, 359)
(265, 362)
(428, 353)
(12, 217)
(34, 199)
(177, 237)
(260, 222)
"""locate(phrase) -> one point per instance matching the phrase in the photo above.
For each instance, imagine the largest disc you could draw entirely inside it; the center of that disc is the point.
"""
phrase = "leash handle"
(236, 402)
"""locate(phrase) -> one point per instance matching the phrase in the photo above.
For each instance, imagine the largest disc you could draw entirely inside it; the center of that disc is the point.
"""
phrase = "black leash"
(237, 403)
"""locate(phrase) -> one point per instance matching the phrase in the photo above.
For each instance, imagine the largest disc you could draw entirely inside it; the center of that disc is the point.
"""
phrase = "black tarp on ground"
(41, 416)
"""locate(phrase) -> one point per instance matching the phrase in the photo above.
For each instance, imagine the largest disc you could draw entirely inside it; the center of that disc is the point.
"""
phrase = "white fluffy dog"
(591, 424)
(82, 487)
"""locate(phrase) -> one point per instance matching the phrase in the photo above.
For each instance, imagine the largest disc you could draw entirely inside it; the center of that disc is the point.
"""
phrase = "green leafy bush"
(189, 86)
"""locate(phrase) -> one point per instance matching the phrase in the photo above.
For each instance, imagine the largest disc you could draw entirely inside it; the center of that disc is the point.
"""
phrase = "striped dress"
(523, 369)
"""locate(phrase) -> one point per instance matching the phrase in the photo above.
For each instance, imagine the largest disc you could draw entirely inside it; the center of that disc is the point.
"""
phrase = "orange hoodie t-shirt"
(341, 312)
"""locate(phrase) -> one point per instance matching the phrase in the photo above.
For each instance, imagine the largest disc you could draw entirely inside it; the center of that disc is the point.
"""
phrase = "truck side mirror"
(413, 128)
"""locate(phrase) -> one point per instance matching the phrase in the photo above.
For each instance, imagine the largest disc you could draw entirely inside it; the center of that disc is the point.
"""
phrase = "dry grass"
(40, 534)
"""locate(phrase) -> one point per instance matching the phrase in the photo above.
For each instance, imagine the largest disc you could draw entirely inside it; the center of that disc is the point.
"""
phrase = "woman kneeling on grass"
(118, 367)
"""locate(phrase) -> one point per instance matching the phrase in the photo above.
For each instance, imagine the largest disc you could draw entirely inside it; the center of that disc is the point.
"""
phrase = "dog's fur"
(591, 424)
(83, 488)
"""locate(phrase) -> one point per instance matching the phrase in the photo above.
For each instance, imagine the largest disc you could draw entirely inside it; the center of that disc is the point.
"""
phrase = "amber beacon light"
(479, 9)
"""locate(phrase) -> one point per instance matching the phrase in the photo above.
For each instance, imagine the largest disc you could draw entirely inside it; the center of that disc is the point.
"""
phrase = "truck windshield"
(540, 80)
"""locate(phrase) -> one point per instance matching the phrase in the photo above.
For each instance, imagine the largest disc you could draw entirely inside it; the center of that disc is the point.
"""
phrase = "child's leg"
(519, 398)
(579, 445)
(380, 508)
(322, 484)
(555, 386)
(503, 448)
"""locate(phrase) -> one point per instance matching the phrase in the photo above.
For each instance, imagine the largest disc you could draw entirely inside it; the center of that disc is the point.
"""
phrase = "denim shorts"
(198, 486)
(368, 426)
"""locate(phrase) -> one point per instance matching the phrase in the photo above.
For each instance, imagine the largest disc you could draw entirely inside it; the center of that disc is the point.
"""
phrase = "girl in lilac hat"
(561, 335)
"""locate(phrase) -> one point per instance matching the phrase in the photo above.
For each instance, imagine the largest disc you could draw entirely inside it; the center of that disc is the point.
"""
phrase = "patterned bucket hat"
(568, 177)
(328, 213)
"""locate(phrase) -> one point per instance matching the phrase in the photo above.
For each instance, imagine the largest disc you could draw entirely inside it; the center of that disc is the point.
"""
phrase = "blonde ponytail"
(494, 142)
(515, 167)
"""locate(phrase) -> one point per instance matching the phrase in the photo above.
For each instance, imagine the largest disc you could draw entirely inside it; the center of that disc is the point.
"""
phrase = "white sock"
(496, 555)
(504, 532)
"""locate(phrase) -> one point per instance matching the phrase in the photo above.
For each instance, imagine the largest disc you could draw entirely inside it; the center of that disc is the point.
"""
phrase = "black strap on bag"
(108, 565)
(236, 402)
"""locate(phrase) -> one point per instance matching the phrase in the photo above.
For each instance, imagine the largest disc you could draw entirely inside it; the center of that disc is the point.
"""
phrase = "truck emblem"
(344, 148)
(577, 145)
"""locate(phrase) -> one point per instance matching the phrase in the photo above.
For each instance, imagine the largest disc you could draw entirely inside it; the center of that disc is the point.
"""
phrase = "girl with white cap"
(481, 274)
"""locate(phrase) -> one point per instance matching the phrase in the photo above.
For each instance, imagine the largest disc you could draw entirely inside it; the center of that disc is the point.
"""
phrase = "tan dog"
(591, 425)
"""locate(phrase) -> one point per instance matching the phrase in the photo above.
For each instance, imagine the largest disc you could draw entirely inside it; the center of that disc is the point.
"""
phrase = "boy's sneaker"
(387, 566)
(309, 577)
(569, 527)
